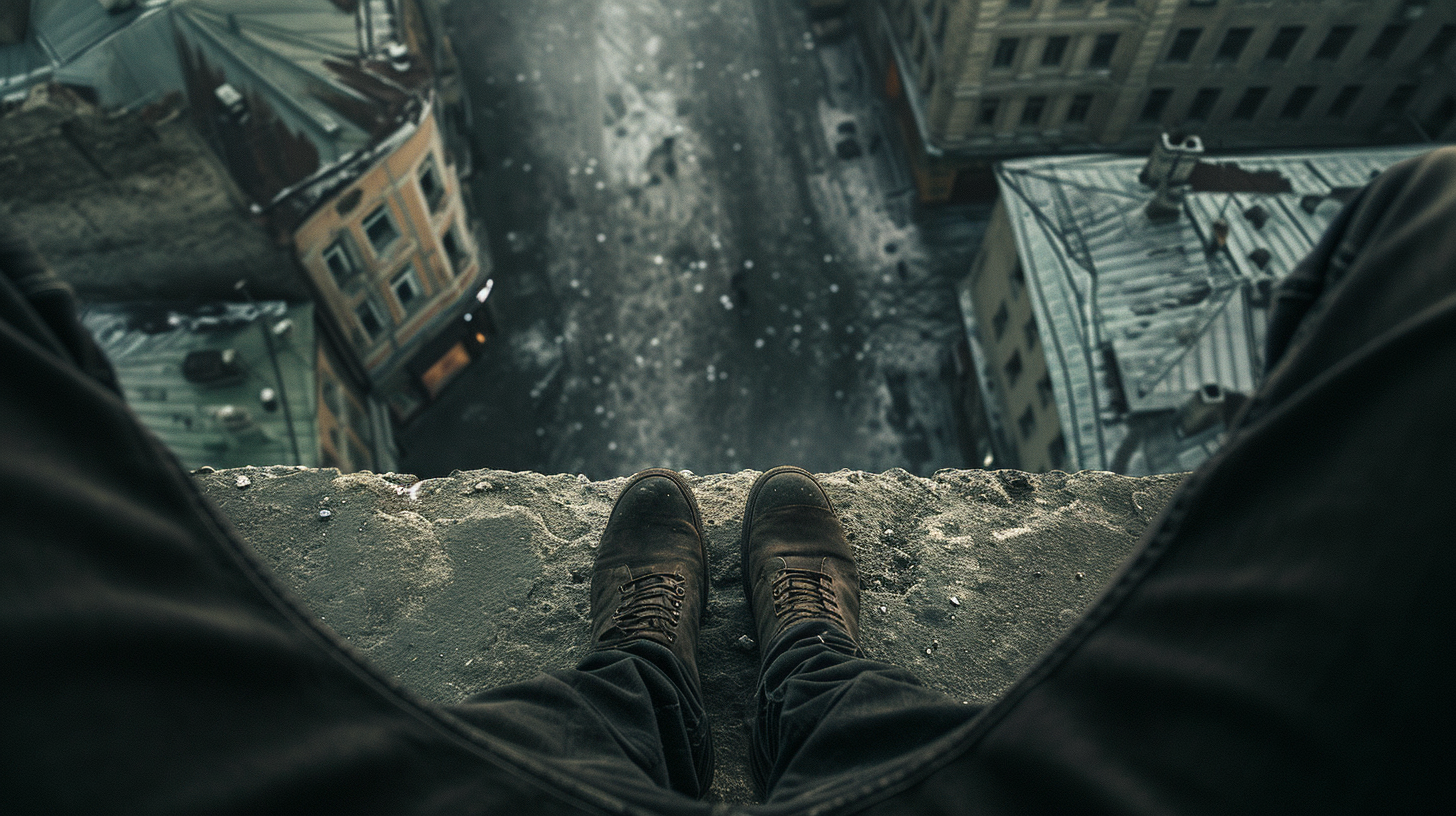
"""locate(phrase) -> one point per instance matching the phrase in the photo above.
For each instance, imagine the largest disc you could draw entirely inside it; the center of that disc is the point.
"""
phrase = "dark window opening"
(1343, 100)
(1013, 369)
(1054, 50)
(430, 184)
(1296, 103)
(1027, 422)
(1102, 51)
(1203, 103)
(1283, 43)
(1249, 103)
(1032, 110)
(1234, 42)
(999, 321)
(369, 319)
(1005, 52)
(1031, 334)
(1044, 390)
(987, 115)
(380, 229)
(1335, 42)
(1385, 43)
(406, 287)
(1441, 43)
(1077, 111)
(1183, 43)
(454, 250)
(1400, 98)
(342, 261)
(1157, 101)
(1440, 117)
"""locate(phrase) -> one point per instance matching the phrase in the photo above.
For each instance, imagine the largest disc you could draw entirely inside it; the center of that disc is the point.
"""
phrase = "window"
(1027, 422)
(1183, 43)
(1203, 103)
(1044, 390)
(1249, 103)
(1440, 117)
(1399, 98)
(1005, 52)
(999, 321)
(407, 289)
(1283, 43)
(380, 229)
(987, 114)
(369, 319)
(1021, 4)
(342, 261)
(1054, 50)
(1157, 101)
(1233, 44)
(1029, 330)
(1441, 43)
(1077, 111)
(1057, 452)
(1385, 44)
(1202, 2)
(454, 250)
(1102, 50)
(1296, 103)
(1032, 110)
(1120, 3)
(430, 185)
(1343, 100)
(1013, 368)
(1335, 42)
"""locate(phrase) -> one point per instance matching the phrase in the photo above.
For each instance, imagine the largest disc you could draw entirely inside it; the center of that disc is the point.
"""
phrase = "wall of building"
(394, 295)
(996, 78)
(1013, 356)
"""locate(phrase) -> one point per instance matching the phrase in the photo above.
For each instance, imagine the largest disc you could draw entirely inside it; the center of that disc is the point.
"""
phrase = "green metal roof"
(224, 424)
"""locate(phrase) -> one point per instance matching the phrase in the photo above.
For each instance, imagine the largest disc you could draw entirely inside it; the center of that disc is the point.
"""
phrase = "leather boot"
(650, 580)
(796, 562)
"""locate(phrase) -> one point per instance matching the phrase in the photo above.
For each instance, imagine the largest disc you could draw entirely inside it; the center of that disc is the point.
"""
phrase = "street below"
(704, 247)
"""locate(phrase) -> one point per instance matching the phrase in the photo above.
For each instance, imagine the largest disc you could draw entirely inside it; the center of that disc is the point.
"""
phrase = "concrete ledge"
(467, 582)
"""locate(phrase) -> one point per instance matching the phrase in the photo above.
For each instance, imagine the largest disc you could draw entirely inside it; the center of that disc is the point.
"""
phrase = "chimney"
(1220, 236)
(1168, 170)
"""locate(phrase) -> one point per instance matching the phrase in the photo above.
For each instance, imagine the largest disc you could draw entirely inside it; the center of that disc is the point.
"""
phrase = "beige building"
(1106, 334)
(987, 79)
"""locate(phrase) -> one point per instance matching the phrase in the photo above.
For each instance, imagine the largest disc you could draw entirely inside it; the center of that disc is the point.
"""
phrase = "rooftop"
(195, 376)
(1137, 315)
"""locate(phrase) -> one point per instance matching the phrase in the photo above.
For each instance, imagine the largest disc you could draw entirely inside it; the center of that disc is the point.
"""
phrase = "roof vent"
(1220, 236)
(1257, 215)
(1202, 411)
(232, 101)
(398, 55)
(1172, 160)
(1260, 257)
(1310, 203)
(233, 419)
(212, 367)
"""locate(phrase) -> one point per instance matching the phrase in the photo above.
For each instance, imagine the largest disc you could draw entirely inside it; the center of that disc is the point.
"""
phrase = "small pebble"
(746, 643)
(325, 515)
(243, 481)
(954, 601)
(884, 611)
(1079, 576)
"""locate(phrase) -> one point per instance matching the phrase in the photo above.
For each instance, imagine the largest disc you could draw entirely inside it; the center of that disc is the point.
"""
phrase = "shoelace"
(799, 594)
(651, 603)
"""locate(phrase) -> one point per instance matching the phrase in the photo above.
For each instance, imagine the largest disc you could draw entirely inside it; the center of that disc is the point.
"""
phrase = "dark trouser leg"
(622, 716)
(1281, 641)
(148, 662)
(827, 716)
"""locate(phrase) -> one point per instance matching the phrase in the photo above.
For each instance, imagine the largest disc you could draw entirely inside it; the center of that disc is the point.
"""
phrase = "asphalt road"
(689, 272)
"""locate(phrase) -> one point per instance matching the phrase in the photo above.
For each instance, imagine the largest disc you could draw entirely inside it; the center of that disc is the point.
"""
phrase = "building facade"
(981, 80)
(1116, 311)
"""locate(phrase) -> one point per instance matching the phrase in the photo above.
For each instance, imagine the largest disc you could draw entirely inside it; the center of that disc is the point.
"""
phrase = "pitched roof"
(1137, 314)
(222, 423)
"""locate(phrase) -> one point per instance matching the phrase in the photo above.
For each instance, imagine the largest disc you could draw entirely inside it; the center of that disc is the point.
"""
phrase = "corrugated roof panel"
(1177, 316)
